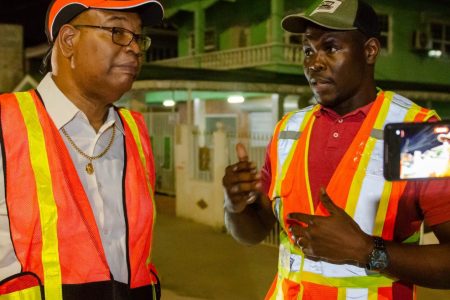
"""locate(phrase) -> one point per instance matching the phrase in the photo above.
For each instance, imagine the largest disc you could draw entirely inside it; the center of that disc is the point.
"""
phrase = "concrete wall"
(11, 56)
(200, 201)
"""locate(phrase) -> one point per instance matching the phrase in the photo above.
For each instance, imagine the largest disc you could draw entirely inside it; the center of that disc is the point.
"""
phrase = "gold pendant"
(90, 168)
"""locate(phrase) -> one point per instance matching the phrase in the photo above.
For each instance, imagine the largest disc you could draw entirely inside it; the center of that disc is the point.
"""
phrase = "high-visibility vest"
(53, 229)
(357, 186)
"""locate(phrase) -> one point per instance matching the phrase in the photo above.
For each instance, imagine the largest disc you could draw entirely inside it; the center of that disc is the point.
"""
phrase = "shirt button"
(340, 120)
(335, 135)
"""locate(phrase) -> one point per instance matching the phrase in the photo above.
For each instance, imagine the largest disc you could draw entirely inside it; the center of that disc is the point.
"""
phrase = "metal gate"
(161, 126)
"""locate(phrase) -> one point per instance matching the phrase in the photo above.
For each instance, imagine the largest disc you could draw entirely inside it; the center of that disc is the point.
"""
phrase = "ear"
(372, 48)
(67, 39)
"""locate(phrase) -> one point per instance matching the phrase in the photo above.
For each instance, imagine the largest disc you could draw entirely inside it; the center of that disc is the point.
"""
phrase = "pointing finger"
(300, 219)
(241, 152)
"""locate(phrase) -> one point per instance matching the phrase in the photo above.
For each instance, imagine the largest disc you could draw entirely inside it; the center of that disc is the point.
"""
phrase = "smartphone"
(417, 150)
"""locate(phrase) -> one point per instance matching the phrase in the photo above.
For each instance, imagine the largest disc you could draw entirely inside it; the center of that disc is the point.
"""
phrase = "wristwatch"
(378, 258)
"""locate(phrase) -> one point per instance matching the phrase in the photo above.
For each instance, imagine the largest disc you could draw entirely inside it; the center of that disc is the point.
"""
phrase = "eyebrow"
(115, 18)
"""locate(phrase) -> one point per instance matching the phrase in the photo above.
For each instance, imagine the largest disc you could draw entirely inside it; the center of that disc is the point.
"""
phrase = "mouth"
(320, 84)
(128, 68)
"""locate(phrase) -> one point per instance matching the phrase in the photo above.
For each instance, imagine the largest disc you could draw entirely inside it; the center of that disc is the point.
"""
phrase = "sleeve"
(434, 201)
(434, 197)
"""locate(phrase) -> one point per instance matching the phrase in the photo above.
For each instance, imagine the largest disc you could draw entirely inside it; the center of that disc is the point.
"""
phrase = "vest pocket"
(22, 286)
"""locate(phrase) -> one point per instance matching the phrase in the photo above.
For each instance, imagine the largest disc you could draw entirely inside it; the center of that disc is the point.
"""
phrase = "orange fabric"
(290, 289)
(296, 168)
(391, 214)
(342, 178)
(273, 153)
(421, 116)
(139, 207)
(19, 283)
(73, 205)
(385, 293)
(295, 188)
(28, 218)
(314, 291)
(81, 254)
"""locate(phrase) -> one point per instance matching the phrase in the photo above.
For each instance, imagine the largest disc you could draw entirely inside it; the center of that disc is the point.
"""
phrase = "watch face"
(378, 260)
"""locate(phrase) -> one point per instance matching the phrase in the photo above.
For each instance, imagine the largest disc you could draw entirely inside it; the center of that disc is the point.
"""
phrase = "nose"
(134, 47)
(316, 66)
(315, 63)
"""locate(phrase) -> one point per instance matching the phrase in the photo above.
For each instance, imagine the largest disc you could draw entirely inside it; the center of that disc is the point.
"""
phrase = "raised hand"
(335, 238)
(241, 182)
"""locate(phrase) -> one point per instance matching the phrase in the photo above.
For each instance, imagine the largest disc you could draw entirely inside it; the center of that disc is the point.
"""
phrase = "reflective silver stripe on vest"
(289, 135)
(370, 193)
(377, 134)
(276, 208)
(373, 182)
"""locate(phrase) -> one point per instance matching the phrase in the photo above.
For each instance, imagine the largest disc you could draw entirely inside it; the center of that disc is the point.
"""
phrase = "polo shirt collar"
(363, 111)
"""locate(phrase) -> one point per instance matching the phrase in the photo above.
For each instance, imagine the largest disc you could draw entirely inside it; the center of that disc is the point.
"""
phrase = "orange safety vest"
(357, 185)
(52, 226)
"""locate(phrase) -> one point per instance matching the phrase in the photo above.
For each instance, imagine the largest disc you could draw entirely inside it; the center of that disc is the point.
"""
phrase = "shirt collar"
(61, 109)
(363, 111)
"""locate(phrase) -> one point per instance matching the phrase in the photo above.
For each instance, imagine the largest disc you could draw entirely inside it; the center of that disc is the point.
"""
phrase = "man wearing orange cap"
(76, 191)
(346, 232)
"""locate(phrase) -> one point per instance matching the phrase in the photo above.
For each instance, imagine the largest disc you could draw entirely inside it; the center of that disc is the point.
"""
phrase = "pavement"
(198, 262)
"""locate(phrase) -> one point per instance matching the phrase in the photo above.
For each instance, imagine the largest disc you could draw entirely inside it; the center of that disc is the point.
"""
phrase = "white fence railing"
(202, 153)
(238, 58)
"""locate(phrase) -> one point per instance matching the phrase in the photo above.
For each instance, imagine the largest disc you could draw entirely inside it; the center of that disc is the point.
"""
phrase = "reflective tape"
(48, 211)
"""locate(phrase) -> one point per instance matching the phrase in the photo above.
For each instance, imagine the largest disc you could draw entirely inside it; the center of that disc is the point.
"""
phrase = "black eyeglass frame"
(142, 40)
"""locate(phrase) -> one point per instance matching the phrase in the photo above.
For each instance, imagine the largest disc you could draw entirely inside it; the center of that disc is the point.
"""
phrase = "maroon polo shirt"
(331, 136)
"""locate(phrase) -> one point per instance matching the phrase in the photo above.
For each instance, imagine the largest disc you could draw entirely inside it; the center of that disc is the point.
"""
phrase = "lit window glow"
(236, 99)
(434, 53)
(168, 103)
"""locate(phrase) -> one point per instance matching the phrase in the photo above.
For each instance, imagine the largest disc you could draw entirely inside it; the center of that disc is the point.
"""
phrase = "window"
(440, 36)
(293, 39)
(384, 23)
(238, 36)
(244, 37)
(209, 43)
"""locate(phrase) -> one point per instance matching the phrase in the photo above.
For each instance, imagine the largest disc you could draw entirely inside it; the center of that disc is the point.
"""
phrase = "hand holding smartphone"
(417, 150)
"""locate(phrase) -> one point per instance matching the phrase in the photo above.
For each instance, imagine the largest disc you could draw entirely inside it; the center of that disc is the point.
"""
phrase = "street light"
(234, 99)
(168, 103)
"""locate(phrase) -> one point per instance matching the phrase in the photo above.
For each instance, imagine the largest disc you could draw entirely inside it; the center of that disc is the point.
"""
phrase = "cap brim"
(297, 24)
(151, 11)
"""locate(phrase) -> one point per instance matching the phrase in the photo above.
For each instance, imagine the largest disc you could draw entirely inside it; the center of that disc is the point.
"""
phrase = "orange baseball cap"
(61, 12)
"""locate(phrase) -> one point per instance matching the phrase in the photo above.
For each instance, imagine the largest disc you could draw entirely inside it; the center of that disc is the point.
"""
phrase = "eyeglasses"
(123, 37)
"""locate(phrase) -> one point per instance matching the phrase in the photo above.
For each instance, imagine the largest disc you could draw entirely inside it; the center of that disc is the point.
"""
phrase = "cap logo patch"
(327, 6)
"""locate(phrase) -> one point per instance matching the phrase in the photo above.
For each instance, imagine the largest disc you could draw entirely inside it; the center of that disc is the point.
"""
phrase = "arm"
(322, 237)
(248, 211)
(425, 265)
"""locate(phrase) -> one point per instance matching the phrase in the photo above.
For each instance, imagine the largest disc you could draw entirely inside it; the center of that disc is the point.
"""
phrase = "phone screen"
(417, 150)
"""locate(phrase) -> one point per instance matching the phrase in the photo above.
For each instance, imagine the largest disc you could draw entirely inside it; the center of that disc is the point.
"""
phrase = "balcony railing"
(255, 56)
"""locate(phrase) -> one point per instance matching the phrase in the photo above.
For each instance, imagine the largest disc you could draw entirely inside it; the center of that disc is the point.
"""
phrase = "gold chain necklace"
(89, 167)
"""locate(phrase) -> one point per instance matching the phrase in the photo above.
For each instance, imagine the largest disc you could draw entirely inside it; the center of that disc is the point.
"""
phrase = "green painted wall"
(402, 63)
